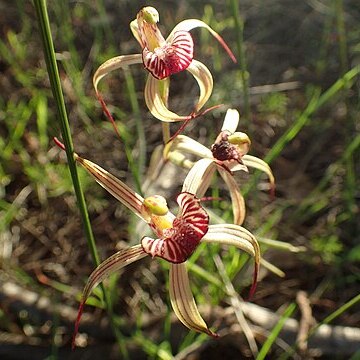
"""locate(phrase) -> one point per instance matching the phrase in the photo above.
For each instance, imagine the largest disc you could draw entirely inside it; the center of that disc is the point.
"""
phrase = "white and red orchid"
(163, 58)
(177, 237)
(227, 154)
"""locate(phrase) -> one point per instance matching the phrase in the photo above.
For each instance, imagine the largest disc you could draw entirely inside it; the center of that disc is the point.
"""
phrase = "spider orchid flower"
(161, 58)
(228, 153)
(177, 237)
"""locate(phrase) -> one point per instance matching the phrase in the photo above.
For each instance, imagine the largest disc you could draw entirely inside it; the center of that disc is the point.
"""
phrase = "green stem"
(49, 53)
(239, 26)
(340, 26)
(138, 121)
(53, 72)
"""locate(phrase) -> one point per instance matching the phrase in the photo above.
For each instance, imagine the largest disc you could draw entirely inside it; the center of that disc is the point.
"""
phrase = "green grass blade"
(275, 332)
(49, 52)
(239, 27)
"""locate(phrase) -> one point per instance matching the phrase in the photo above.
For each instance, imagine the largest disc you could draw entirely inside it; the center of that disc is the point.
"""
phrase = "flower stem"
(50, 58)
(53, 72)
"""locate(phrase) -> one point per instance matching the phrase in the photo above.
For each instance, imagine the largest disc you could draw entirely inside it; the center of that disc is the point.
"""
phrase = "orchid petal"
(179, 242)
(185, 144)
(190, 24)
(237, 200)
(256, 163)
(183, 302)
(155, 103)
(114, 64)
(199, 177)
(205, 81)
(134, 27)
(170, 58)
(103, 271)
(231, 121)
(154, 99)
(114, 186)
(228, 234)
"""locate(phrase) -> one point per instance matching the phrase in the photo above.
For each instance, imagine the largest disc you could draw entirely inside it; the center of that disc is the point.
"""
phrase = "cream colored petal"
(114, 64)
(205, 81)
(155, 101)
(183, 302)
(185, 144)
(114, 186)
(111, 265)
(235, 235)
(108, 267)
(237, 200)
(134, 27)
(199, 177)
(190, 24)
(231, 120)
(256, 163)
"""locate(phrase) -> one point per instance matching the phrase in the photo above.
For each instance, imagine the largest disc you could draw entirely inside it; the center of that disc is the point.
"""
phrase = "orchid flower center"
(230, 146)
(156, 213)
(161, 57)
(178, 236)
(151, 36)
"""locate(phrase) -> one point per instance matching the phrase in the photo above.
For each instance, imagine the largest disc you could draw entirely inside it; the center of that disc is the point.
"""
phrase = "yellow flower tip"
(156, 205)
(149, 14)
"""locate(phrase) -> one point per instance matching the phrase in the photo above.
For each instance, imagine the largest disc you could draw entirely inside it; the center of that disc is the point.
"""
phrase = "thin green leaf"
(275, 332)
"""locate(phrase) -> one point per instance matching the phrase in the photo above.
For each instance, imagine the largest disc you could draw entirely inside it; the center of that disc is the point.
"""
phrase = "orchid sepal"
(189, 24)
(108, 267)
(235, 235)
(114, 186)
(183, 302)
(155, 101)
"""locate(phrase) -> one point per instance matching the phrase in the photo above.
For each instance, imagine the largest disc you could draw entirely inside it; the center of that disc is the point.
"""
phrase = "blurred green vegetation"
(302, 66)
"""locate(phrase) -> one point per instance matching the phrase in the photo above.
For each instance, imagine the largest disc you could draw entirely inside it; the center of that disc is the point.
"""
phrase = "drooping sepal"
(183, 302)
(103, 271)
(235, 235)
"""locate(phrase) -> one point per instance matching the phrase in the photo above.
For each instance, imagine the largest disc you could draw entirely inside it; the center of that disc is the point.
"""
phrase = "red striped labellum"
(170, 58)
(188, 228)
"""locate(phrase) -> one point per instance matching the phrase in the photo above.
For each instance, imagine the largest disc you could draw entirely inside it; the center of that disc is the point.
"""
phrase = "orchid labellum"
(228, 154)
(162, 58)
(176, 238)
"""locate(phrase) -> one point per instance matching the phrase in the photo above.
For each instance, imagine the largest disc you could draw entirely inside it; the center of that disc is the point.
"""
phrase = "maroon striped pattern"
(182, 239)
(170, 58)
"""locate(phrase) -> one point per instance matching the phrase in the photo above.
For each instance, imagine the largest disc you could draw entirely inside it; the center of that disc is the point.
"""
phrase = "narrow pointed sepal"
(256, 163)
(114, 186)
(170, 58)
(189, 24)
(106, 68)
(180, 241)
(155, 102)
(111, 265)
(199, 177)
(237, 200)
(235, 235)
(183, 302)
